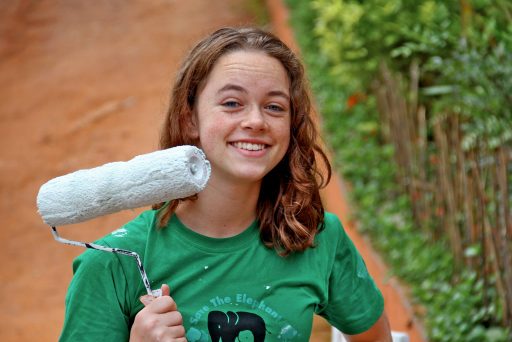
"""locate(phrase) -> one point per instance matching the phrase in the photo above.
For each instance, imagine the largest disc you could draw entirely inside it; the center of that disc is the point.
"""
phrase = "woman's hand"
(160, 320)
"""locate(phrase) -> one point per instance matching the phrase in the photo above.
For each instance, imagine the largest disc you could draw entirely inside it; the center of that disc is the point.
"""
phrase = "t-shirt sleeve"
(94, 309)
(100, 302)
(354, 302)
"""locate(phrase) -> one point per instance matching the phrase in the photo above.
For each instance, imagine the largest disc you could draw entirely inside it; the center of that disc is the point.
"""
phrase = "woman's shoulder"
(332, 226)
(131, 236)
(330, 233)
(132, 232)
(333, 234)
(331, 219)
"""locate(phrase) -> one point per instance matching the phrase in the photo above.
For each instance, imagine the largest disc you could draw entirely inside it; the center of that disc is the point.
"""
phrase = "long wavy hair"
(289, 208)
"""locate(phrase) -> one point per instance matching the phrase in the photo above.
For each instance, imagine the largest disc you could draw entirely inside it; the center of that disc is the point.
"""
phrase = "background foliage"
(416, 101)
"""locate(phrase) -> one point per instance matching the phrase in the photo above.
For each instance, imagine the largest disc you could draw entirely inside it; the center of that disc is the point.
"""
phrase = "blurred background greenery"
(416, 99)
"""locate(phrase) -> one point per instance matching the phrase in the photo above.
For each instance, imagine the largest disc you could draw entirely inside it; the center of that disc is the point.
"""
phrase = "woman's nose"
(254, 119)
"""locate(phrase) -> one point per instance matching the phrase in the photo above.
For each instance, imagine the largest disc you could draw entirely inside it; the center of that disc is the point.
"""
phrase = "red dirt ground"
(80, 86)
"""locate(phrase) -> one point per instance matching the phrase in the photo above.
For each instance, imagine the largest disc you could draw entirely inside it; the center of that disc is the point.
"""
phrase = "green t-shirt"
(224, 288)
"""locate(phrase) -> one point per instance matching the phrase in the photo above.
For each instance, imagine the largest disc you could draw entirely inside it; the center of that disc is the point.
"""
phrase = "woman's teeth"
(249, 146)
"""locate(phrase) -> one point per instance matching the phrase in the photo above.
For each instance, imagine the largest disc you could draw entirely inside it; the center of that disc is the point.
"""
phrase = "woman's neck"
(221, 210)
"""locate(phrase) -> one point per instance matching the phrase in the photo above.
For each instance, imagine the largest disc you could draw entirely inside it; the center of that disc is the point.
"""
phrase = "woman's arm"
(379, 332)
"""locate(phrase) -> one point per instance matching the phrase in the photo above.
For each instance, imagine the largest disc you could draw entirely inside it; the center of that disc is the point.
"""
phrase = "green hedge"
(466, 64)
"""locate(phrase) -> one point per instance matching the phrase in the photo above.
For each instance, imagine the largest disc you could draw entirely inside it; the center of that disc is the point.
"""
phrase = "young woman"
(254, 255)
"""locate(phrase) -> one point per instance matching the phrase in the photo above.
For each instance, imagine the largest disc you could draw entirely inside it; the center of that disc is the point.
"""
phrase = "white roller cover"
(150, 178)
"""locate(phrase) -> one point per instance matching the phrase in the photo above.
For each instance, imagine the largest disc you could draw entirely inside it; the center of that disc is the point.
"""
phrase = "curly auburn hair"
(289, 208)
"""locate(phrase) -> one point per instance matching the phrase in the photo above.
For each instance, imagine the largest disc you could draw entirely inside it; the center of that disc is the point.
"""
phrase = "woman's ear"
(192, 126)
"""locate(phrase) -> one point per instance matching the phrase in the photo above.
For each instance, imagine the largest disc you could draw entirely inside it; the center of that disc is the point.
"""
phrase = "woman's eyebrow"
(279, 93)
(231, 86)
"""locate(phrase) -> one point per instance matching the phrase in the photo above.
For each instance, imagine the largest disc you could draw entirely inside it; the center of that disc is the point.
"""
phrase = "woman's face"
(242, 116)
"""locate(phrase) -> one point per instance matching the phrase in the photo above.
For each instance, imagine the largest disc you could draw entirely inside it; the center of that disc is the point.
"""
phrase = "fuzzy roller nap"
(147, 179)
(151, 178)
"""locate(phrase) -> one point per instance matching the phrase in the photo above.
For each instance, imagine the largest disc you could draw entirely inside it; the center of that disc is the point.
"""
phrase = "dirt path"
(80, 85)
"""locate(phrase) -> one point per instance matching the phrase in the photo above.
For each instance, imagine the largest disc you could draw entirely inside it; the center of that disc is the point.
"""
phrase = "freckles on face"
(242, 115)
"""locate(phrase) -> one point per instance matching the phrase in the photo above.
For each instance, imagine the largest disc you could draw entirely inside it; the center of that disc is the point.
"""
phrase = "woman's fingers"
(162, 305)
(147, 299)
(150, 326)
(170, 319)
(160, 320)
(166, 290)
(168, 324)
(163, 334)
(177, 331)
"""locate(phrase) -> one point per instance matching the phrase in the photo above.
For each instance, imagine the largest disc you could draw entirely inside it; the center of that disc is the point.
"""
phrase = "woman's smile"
(248, 146)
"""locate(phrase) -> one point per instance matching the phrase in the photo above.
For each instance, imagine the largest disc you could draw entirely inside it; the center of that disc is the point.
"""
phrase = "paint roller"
(156, 177)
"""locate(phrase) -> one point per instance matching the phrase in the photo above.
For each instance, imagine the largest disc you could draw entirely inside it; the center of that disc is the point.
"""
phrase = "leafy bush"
(465, 54)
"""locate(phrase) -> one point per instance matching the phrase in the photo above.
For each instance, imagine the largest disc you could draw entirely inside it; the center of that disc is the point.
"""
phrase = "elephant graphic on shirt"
(229, 325)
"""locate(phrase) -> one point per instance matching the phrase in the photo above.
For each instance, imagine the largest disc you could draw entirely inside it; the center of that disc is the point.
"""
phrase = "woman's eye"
(231, 104)
(275, 108)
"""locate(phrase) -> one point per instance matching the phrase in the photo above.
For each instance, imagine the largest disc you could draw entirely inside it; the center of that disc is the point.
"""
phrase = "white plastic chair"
(337, 336)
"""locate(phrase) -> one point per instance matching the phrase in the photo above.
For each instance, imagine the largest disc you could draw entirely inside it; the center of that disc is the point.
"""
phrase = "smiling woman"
(273, 256)
(291, 188)
(242, 118)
